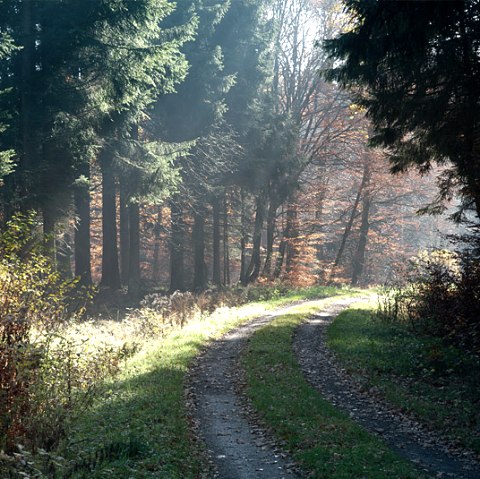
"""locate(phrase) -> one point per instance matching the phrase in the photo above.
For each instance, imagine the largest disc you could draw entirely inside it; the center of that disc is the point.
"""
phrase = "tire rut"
(237, 447)
(404, 435)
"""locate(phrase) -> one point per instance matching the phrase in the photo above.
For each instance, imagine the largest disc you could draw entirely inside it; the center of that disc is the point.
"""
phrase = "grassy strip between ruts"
(140, 428)
(321, 439)
(420, 374)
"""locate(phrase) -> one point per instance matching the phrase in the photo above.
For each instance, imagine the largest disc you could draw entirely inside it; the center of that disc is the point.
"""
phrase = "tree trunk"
(110, 267)
(271, 221)
(281, 256)
(359, 258)
(253, 270)
(471, 130)
(291, 237)
(82, 230)
(216, 277)
(124, 231)
(198, 237)
(281, 250)
(348, 227)
(64, 256)
(27, 69)
(243, 240)
(320, 200)
(226, 250)
(134, 273)
(177, 247)
(156, 247)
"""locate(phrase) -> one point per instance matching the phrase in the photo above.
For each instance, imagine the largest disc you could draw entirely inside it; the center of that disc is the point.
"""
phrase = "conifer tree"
(6, 155)
(193, 113)
(140, 60)
(245, 36)
(414, 67)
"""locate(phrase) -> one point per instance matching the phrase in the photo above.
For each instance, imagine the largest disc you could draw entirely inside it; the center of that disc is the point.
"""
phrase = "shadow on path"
(237, 449)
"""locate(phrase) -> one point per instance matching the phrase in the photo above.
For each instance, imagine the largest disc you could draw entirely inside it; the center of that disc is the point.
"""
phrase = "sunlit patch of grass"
(436, 382)
(326, 442)
(139, 428)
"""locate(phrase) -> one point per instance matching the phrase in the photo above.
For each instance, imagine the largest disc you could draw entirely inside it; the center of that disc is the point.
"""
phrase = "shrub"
(181, 307)
(440, 296)
(46, 376)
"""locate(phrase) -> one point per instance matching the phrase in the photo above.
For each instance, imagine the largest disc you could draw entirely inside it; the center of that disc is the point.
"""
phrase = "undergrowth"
(134, 423)
(440, 296)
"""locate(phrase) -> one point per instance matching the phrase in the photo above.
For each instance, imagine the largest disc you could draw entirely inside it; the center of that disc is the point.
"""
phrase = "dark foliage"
(414, 66)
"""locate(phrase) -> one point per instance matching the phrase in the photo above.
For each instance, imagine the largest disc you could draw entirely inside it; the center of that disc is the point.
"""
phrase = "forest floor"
(238, 410)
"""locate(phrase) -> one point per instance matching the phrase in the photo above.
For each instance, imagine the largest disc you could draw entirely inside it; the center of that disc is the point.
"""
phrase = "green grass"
(322, 439)
(439, 384)
(139, 429)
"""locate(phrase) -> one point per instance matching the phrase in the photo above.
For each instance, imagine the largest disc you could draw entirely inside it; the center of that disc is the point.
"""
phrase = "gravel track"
(237, 447)
(240, 449)
(403, 434)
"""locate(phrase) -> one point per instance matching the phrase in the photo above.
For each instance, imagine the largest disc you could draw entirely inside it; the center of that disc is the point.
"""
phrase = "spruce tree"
(193, 113)
(6, 49)
(415, 67)
(140, 60)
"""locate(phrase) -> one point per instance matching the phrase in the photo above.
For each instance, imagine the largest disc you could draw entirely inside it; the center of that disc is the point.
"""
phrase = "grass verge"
(436, 382)
(322, 439)
(139, 429)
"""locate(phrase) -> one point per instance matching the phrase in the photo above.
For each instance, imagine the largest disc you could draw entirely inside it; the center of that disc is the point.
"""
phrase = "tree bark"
(281, 250)
(134, 271)
(271, 222)
(82, 230)
(359, 258)
(226, 249)
(348, 227)
(110, 267)
(64, 256)
(27, 69)
(253, 270)
(280, 258)
(243, 240)
(318, 220)
(291, 237)
(198, 237)
(156, 248)
(216, 277)
(177, 247)
(124, 231)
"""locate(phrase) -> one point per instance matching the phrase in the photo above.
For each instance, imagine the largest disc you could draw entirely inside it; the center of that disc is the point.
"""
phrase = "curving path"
(237, 448)
(403, 435)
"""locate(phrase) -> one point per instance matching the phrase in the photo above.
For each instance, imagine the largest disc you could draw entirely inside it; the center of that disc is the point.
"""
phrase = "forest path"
(237, 447)
(404, 435)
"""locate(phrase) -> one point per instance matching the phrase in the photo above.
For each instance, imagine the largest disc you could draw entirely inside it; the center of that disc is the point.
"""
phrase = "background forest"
(178, 146)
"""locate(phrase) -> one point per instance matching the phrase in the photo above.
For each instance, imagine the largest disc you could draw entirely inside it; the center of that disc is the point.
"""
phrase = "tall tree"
(415, 68)
(141, 60)
(193, 113)
(6, 155)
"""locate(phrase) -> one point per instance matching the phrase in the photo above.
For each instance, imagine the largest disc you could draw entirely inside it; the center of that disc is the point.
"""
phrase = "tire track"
(238, 449)
(404, 435)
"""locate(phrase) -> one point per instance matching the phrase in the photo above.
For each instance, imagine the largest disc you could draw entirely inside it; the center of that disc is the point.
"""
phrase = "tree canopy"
(184, 143)
(415, 67)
